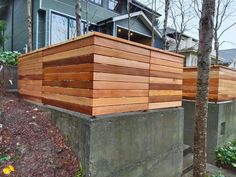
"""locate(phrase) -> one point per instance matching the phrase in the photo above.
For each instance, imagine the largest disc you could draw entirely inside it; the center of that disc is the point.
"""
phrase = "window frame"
(68, 17)
(91, 1)
(113, 9)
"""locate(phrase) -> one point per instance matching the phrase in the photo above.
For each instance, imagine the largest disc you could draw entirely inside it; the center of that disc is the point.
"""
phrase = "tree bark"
(29, 20)
(153, 21)
(128, 11)
(206, 29)
(78, 17)
(167, 7)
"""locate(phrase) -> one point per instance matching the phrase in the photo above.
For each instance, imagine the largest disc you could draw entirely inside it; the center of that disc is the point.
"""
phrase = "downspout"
(12, 26)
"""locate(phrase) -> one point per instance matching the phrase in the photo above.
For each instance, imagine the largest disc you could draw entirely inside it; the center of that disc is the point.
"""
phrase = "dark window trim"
(96, 3)
(112, 9)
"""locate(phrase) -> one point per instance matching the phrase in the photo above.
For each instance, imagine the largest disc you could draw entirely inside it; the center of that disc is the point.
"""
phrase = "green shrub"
(9, 58)
(226, 155)
(216, 175)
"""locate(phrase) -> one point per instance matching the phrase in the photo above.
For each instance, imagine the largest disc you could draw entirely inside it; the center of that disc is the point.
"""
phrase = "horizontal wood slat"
(222, 84)
(98, 74)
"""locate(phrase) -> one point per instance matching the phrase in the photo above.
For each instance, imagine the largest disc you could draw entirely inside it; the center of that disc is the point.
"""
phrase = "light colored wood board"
(121, 46)
(120, 62)
(82, 76)
(119, 101)
(73, 44)
(119, 93)
(30, 57)
(69, 54)
(164, 92)
(120, 78)
(161, 86)
(165, 105)
(69, 91)
(87, 67)
(119, 109)
(165, 98)
(70, 99)
(31, 87)
(159, 61)
(119, 85)
(155, 54)
(166, 69)
(31, 82)
(166, 74)
(120, 54)
(165, 80)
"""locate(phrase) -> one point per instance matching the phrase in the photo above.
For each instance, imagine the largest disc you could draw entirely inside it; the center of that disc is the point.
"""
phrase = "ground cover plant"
(226, 155)
(9, 58)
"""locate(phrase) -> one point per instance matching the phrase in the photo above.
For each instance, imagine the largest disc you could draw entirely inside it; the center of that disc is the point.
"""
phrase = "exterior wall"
(221, 125)
(126, 145)
(137, 26)
(8, 32)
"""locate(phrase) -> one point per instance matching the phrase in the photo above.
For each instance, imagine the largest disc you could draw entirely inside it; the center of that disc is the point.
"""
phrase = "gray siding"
(136, 26)
(8, 32)
(96, 13)
(20, 25)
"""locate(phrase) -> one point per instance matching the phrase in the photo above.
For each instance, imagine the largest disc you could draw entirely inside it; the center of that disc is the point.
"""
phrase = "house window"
(97, 1)
(63, 28)
(114, 5)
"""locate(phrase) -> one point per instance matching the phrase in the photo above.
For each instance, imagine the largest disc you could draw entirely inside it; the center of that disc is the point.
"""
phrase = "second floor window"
(97, 1)
(63, 28)
(115, 5)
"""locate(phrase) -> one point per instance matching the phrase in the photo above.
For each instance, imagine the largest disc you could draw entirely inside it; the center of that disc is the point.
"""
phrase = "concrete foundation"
(221, 125)
(138, 144)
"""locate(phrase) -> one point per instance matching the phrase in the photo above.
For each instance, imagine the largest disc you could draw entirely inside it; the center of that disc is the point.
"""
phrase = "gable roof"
(144, 7)
(140, 14)
(229, 55)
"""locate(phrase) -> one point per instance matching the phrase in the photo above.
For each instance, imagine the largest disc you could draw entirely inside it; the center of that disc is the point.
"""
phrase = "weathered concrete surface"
(218, 115)
(139, 144)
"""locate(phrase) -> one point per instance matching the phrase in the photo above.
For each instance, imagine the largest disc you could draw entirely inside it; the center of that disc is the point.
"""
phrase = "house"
(229, 57)
(188, 47)
(54, 21)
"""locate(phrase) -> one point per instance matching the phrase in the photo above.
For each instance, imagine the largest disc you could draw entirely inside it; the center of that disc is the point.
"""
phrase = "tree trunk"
(128, 11)
(87, 21)
(78, 17)
(29, 20)
(153, 21)
(206, 29)
(216, 46)
(167, 7)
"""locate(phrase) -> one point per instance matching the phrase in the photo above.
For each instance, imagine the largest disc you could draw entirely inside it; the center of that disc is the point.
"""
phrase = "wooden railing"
(99, 74)
(222, 85)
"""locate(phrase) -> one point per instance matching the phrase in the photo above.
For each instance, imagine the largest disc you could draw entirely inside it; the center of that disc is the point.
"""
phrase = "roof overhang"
(140, 14)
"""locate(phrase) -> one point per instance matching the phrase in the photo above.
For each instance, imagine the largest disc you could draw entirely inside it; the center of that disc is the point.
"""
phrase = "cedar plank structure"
(222, 84)
(99, 74)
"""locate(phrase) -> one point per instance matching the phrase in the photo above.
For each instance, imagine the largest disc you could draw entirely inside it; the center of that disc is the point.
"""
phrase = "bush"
(226, 155)
(9, 58)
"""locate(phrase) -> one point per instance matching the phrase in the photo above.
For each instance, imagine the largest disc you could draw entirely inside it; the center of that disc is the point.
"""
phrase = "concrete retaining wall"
(138, 144)
(221, 125)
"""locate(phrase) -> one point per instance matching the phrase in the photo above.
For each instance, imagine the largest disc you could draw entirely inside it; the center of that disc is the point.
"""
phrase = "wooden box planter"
(99, 74)
(222, 85)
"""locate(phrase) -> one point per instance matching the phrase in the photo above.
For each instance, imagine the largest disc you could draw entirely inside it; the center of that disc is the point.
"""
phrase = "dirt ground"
(35, 147)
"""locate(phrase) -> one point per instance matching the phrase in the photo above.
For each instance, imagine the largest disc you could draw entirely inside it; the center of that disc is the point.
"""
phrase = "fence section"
(222, 84)
(30, 74)
(98, 74)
